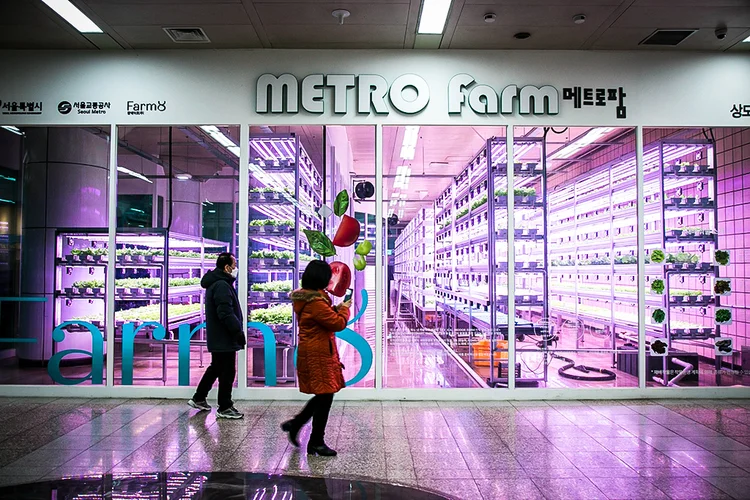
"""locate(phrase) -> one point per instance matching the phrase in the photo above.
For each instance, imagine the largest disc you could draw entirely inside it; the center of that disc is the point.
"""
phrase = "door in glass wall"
(698, 198)
(575, 232)
(53, 231)
(436, 188)
(177, 188)
(312, 194)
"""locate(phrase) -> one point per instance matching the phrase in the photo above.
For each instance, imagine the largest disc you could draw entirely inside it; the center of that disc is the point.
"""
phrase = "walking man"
(225, 336)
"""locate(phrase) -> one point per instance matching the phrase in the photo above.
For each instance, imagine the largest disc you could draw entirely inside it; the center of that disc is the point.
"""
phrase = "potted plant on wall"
(723, 287)
(722, 257)
(657, 286)
(658, 316)
(723, 316)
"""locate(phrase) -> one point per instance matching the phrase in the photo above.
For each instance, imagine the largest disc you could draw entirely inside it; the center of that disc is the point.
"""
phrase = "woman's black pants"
(318, 409)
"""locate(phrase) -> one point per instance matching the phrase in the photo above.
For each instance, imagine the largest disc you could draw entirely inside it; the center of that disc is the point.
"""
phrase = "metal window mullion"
(242, 243)
(382, 252)
(640, 206)
(109, 312)
(511, 262)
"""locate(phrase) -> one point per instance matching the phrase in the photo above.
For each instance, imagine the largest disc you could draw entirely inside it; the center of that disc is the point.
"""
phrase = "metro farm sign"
(408, 94)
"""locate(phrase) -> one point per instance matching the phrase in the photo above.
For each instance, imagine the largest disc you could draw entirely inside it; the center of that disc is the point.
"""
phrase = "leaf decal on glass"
(341, 203)
(320, 243)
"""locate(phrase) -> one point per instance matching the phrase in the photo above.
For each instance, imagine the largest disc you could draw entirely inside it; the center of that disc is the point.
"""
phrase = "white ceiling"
(610, 24)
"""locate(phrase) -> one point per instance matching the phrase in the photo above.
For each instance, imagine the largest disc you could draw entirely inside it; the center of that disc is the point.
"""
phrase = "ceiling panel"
(313, 37)
(610, 24)
(284, 13)
(535, 15)
(501, 37)
(223, 37)
(170, 14)
(693, 17)
(17, 37)
(704, 39)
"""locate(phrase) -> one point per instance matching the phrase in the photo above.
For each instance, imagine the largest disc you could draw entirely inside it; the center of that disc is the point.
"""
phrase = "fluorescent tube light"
(134, 174)
(15, 130)
(746, 40)
(574, 147)
(433, 16)
(75, 17)
(409, 146)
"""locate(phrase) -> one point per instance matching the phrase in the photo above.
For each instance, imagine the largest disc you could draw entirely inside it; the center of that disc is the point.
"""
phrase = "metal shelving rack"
(701, 169)
(466, 266)
(81, 255)
(532, 309)
(285, 186)
(414, 258)
(592, 220)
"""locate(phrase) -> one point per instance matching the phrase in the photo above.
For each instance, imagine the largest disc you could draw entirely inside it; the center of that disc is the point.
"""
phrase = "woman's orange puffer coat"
(319, 369)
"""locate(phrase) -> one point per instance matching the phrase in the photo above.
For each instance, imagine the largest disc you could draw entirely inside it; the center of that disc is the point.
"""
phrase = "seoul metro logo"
(64, 107)
(185, 333)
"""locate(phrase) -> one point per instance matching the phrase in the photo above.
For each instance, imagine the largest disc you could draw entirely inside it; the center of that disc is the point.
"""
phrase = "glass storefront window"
(172, 182)
(296, 174)
(53, 229)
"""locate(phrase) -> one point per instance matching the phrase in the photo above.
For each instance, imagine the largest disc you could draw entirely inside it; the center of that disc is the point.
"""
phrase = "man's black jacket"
(224, 330)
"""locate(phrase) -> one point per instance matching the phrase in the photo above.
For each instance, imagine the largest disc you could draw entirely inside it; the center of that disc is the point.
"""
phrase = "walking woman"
(319, 369)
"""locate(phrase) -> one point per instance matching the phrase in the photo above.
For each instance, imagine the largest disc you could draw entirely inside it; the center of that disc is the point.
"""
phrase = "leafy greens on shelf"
(278, 254)
(657, 286)
(272, 222)
(138, 283)
(272, 286)
(274, 315)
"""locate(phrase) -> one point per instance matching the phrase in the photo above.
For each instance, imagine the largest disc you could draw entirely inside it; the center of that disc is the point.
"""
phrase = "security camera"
(721, 33)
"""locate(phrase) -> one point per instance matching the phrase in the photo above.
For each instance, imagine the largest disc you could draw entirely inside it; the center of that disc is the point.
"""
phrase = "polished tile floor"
(525, 450)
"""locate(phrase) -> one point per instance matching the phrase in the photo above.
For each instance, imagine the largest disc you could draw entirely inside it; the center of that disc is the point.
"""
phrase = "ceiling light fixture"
(183, 176)
(579, 19)
(75, 17)
(341, 14)
(576, 146)
(490, 17)
(433, 16)
(523, 35)
(134, 174)
(409, 146)
(222, 139)
(746, 40)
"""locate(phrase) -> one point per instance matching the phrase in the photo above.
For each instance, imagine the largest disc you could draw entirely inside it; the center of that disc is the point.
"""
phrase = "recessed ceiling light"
(490, 17)
(183, 177)
(523, 35)
(433, 16)
(579, 18)
(75, 17)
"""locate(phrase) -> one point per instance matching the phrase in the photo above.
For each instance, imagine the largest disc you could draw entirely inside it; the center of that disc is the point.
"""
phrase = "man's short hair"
(224, 260)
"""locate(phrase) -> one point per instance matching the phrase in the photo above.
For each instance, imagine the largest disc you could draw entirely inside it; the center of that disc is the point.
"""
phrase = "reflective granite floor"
(209, 486)
(525, 450)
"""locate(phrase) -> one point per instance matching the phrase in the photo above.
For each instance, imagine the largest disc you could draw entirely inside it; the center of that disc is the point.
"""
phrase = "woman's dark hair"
(224, 260)
(317, 275)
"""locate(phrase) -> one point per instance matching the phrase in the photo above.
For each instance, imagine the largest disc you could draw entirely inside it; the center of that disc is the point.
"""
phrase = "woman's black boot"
(322, 449)
(292, 430)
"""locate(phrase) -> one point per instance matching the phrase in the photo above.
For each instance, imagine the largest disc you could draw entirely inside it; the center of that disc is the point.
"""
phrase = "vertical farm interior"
(575, 247)
(446, 246)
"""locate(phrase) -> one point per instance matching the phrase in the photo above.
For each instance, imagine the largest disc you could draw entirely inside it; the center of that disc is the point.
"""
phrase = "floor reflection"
(208, 485)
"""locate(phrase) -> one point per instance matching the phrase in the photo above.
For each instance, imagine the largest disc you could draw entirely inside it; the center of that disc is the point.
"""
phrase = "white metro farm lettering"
(407, 94)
